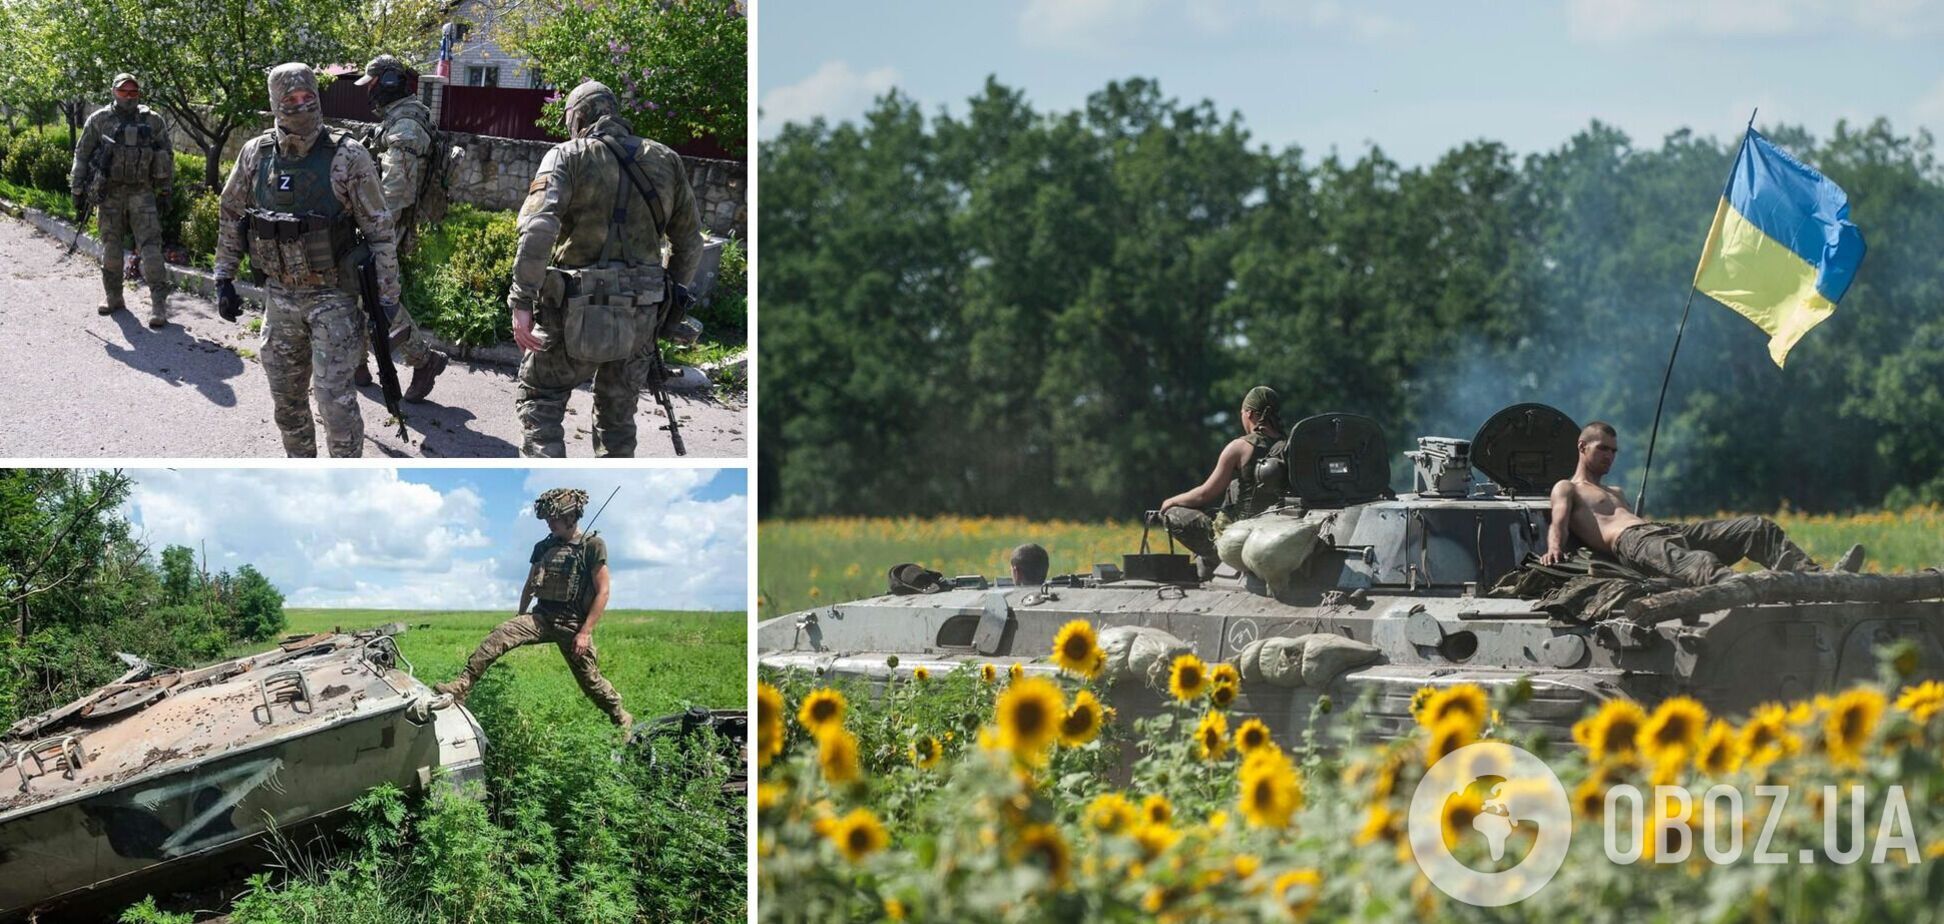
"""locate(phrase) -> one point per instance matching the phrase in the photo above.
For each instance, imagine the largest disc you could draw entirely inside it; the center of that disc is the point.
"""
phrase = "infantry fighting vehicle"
(1394, 592)
(167, 776)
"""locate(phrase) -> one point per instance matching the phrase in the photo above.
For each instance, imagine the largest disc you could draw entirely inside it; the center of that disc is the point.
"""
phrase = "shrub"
(727, 313)
(21, 157)
(455, 282)
(678, 66)
(203, 215)
(50, 170)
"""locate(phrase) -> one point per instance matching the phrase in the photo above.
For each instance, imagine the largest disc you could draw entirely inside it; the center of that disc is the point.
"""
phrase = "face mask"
(301, 121)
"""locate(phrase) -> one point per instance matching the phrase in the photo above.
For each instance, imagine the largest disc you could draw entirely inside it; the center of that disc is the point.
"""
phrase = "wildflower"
(1029, 715)
(921, 674)
(926, 752)
(769, 723)
(1187, 678)
(1252, 735)
(1767, 736)
(1721, 751)
(1269, 791)
(1465, 699)
(988, 673)
(824, 707)
(1083, 720)
(1922, 701)
(1211, 736)
(1612, 731)
(1157, 809)
(1851, 720)
(1042, 846)
(1112, 813)
(1677, 722)
(1299, 890)
(1076, 649)
(858, 835)
(1448, 736)
(837, 755)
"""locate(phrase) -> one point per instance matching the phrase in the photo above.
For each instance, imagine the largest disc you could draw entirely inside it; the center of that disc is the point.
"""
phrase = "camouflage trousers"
(313, 340)
(1195, 530)
(1698, 554)
(527, 629)
(548, 378)
(408, 342)
(126, 216)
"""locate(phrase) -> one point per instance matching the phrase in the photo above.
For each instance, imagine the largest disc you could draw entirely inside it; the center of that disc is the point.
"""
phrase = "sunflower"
(1251, 735)
(1112, 813)
(1465, 699)
(1613, 730)
(1678, 722)
(1448, 736)
(1379, 823)
(1187, 678)
(1245, 865)
(769, 794)
(824, 707)
(1721, 750)
(1211, 736)
(1299, 890)
(1017, 671)
(1418, 699)
(1155, 837)
(837, 755)
(921, 674)
(1157, 810)
(1589, 797)
(769, 723)
(1076, 649)
(1456, 816)
(1851, 720)
(988, 673)
(894, 910)
(857, 835)
(1225, 674)
(1042, 846)
(926, 752)
(1029, 715)
(1270, 793)
(1222, 695)
(1083, 720)
(1922, 701)
(1767, 736)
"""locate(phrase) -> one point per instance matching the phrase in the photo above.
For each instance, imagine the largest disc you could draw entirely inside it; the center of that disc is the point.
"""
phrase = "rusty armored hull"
(1405, 582)
(164, 775)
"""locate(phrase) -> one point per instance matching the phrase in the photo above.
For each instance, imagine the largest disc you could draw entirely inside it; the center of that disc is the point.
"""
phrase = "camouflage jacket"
(354, 180)
(564, 221)
(401, 143)
(103, 122)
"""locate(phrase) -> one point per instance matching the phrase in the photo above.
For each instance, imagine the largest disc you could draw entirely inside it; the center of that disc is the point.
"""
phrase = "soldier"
(1233, 482)
(124, 162)
(568, 592)
(402, 145)
(1029, 564)
(589, 260)
(307, 192)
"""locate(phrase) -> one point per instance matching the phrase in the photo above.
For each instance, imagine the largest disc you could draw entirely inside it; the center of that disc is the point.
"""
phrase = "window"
(482, 76)
(537, 80)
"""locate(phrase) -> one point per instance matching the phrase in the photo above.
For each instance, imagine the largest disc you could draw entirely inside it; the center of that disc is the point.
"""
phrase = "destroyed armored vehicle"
(1351, 590)
(166, 777)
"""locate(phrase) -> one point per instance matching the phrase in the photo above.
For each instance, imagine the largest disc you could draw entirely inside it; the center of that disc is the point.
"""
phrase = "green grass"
(804, 563)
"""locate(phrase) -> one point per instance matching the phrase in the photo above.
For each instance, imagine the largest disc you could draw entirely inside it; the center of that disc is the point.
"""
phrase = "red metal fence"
(506, 112)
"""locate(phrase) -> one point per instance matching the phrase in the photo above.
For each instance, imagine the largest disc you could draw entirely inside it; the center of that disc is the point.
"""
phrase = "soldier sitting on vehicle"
(1233, 482)
(1695, 554)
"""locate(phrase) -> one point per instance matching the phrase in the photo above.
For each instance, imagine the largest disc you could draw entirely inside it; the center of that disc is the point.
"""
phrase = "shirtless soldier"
(1232, 483)
(1695, 554)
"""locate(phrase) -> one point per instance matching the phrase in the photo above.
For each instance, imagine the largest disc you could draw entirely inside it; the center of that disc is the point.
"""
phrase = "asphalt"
(74, 384)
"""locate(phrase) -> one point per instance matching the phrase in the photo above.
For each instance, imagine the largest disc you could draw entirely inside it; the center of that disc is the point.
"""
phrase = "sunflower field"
(990, 794)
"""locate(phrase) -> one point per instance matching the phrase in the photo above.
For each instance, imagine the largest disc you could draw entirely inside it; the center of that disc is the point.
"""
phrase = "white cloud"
(1100, 26)
(1929, 108)
(1081, 25)
(1610, 21)
(835, 92)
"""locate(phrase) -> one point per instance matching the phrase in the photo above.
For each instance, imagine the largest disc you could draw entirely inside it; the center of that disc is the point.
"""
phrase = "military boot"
(454, 688)
(424, 375)
(111, 287)
(158, 310)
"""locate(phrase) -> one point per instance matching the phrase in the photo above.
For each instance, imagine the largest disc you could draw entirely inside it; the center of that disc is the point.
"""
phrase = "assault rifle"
(84, 204)
(381, 339)
(677, 300)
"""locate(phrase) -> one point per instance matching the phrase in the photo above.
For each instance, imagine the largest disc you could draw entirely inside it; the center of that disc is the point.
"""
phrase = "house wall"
(478, 48)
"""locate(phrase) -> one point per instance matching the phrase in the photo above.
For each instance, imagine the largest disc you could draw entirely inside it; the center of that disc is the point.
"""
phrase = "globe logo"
(1490, 824)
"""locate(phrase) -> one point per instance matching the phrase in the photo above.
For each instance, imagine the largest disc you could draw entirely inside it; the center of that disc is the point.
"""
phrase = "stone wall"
(495, 172)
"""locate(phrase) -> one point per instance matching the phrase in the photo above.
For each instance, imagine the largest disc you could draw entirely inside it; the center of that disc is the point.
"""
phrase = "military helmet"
(587, 104)
(560, 502)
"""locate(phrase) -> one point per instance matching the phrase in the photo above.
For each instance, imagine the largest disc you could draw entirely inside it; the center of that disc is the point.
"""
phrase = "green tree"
(180, 578)
(256, 606)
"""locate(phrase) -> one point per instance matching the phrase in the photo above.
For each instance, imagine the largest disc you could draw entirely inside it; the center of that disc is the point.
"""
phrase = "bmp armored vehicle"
(1350, 589)
(167, 776)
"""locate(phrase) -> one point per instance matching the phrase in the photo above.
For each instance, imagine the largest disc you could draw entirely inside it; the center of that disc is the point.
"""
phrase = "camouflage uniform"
(313, 328)
(1698, 554)
(584, 227)
(139, 162)
(561, 586)
(402, 143)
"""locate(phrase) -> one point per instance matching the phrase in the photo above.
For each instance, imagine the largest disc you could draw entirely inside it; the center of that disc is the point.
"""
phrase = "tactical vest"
(1248, 495)
(414, 111)
(565, 579)
(126, 152)
(300, 235)
(608, 306)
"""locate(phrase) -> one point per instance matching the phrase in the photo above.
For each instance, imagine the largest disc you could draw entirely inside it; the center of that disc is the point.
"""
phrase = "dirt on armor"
(79, 385)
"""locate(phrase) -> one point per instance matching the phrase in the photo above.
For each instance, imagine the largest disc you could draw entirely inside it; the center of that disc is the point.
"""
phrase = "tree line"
(80, 585)
(1009, 311)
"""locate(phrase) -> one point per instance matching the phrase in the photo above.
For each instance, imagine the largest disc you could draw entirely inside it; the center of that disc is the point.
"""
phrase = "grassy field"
(807, 562)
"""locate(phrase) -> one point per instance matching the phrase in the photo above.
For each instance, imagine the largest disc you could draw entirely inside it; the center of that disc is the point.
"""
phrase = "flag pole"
(1640, 499)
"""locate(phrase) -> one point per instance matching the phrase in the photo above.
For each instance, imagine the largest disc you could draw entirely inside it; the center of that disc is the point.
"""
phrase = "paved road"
(75, 384)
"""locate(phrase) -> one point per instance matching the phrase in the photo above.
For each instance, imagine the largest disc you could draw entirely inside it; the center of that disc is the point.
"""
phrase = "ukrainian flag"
(1782, 250)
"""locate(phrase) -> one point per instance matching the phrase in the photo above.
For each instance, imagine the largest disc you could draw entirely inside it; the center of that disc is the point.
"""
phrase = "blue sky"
(450, 538)
(1415, 78)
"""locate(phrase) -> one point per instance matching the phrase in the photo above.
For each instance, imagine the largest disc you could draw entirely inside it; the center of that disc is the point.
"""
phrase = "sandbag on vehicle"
(1278, 547)
(1315, 660)
(1229, 544)
(1140, 653)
